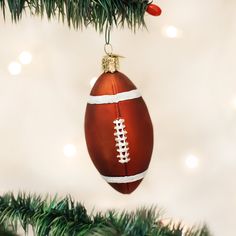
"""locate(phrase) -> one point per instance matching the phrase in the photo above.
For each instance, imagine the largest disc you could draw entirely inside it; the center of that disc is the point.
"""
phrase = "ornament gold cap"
(110, 63)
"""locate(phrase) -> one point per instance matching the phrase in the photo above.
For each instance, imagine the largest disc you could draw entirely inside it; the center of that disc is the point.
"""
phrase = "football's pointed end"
(126, 188)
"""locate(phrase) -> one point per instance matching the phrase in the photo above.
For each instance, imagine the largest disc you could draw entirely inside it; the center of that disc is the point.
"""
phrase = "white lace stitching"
(120, 138)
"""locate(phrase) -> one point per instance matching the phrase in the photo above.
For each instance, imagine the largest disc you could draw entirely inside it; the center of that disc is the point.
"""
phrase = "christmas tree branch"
(66, 217)
(82, 13)
(6, 232)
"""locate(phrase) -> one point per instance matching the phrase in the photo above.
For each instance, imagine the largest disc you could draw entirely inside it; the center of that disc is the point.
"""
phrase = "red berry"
(153, 10)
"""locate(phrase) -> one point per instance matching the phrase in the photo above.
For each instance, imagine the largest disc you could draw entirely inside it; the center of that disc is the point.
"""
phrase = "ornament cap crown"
(110, 63)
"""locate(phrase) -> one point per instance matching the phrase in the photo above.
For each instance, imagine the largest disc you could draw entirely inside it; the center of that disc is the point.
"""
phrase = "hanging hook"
(108, 47)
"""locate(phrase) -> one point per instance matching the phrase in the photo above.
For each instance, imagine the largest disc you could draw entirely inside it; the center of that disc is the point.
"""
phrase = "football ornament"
(118, 129)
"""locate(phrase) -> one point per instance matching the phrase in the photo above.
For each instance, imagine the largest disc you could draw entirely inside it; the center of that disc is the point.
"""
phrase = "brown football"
(118, 131)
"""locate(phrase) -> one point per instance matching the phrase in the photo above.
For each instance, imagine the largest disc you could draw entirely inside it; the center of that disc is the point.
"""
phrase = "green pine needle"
(6, 232)
(82, 13)
(53, 217)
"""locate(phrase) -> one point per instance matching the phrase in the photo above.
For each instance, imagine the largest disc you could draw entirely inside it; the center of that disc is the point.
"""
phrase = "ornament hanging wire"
(108, 47)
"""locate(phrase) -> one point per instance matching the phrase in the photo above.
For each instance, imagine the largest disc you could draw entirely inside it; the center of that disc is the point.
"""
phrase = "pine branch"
(6, 232)
(82, 13)
(68, 218)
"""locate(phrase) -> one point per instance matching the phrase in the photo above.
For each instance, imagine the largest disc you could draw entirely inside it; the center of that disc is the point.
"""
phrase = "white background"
(188, 83)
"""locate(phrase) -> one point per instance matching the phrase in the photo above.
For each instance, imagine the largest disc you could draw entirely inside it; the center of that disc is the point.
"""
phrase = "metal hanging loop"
(108, 47)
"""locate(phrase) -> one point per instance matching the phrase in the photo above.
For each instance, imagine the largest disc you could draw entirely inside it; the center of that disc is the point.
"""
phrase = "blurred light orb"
(69, 150)
(25, 57)
(191, 162)
(14, 68)
(93, 81)
(233, 103)
(171, 32)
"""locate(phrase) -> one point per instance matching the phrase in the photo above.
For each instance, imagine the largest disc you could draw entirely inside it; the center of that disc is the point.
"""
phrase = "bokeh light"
(191, 161)
(25, 57)
(70, 150)
(171, 32)
(14, 68)
(93, 81)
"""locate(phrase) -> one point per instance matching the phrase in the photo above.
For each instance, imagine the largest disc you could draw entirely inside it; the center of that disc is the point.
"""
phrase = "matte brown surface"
(99, 131)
